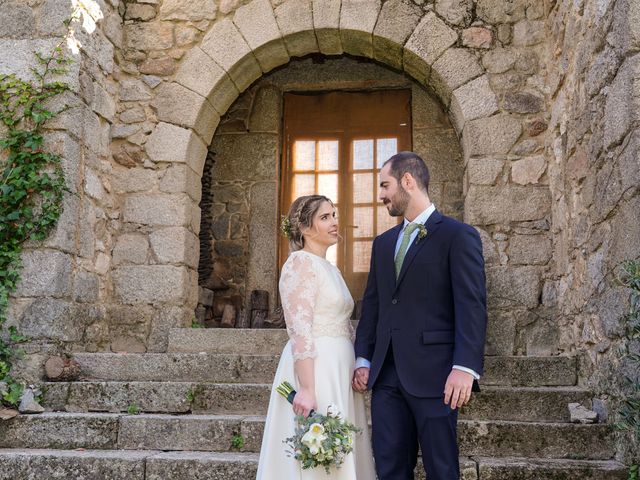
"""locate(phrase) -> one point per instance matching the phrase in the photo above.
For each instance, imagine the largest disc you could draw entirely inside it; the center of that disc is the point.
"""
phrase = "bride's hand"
(304, 402)
(360, 379)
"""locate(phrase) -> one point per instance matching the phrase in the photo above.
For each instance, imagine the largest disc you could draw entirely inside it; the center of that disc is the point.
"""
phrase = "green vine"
(630, 409)
(31, 187)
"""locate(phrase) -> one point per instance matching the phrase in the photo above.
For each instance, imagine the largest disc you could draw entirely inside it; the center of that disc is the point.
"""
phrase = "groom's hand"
(457, 390)
(360, 379)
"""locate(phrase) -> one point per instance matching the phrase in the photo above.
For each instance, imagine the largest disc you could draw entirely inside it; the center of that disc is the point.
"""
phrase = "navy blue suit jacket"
(434, 315)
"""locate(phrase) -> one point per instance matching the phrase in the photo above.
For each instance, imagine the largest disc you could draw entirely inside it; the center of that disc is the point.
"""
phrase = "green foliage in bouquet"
(31, 186)
(322, 440)
(319, 440)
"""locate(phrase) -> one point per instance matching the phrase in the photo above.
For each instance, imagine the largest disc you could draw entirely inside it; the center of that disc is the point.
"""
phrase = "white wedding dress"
(317, 306)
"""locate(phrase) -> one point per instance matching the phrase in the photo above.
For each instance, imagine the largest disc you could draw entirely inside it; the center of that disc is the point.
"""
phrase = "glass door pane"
(328, 155)
(328, 186)
(385, 149)
(368, 217)
(304, 155)
(363, 154)
(315, 170)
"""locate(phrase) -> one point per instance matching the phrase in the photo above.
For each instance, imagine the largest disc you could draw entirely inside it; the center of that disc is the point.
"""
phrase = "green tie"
(402, 251)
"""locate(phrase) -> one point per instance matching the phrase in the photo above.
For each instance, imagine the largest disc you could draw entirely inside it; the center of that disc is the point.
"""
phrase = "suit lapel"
(432, 225)
(388, 254)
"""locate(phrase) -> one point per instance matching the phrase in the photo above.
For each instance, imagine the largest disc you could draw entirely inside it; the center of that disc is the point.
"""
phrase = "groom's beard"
(397, 204)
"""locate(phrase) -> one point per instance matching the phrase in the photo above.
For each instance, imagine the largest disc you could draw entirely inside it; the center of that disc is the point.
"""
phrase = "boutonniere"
(422, 232)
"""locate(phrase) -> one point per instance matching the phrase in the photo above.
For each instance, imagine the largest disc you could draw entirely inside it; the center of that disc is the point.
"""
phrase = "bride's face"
(324, 229)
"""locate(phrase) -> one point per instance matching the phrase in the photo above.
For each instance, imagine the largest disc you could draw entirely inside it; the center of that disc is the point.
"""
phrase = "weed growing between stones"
(31, 186)
(237, 442)
(191, 396)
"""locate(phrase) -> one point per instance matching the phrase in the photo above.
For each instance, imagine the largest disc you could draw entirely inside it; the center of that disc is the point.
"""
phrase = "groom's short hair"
(409, 162)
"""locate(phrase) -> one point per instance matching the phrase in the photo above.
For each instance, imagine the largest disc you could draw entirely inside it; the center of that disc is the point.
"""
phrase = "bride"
(319, 357)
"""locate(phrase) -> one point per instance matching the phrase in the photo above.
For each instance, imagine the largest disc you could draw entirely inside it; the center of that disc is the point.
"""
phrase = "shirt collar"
(422, 218)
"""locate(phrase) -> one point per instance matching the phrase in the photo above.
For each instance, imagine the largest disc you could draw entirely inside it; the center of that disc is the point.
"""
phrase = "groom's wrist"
(362, 362)
(467, 370)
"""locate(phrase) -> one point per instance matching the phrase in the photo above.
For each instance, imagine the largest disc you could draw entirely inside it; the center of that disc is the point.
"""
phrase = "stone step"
(247, 341)
(188, 465)
(202, 466)
(234, 368)
(23, 464)
(525, 404)
(539, 404)
(184, 367)
(130, 464)
(158, 397)
(152, 465)
(537, 469)
(495, 438)
(536, 440)
(215, 433)
(61, 431)
(145, 465)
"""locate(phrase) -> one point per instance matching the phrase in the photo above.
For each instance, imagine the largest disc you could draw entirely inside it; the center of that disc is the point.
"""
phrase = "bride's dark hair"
(300, 216)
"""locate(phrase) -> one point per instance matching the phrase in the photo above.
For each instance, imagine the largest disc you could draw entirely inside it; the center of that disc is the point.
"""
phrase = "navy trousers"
(402, 422)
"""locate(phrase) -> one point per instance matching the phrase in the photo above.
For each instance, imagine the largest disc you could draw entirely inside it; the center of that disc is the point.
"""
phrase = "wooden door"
(334, 145)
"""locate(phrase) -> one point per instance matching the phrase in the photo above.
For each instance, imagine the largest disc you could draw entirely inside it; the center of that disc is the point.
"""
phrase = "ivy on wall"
(630, 408)
(31, 187)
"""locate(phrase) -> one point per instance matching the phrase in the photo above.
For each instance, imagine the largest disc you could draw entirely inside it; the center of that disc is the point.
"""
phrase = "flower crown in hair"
(285, 226)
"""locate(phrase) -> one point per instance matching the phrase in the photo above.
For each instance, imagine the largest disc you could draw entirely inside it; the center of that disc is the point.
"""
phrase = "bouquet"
(319, 439)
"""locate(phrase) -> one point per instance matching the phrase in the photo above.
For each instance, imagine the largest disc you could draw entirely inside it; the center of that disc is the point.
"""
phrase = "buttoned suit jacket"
(434, 314)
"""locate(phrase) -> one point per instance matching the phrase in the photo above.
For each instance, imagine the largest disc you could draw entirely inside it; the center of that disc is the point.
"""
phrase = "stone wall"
(540, 95)
(241, 183)
(158, 75)
(62, 297)
(506, 183)
(594, 82)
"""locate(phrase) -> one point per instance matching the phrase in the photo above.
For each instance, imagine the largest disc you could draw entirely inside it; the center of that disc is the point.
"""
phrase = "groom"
(420, 340)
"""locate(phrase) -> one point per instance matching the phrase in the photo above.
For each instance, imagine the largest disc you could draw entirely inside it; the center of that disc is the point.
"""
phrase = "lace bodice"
(315, 300)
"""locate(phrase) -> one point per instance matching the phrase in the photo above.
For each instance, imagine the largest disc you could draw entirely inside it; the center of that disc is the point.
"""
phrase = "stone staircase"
(213, 387)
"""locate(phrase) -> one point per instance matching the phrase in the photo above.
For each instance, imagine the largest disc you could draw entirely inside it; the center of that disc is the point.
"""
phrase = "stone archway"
(258, 38)
(243, 176)
(236, 52)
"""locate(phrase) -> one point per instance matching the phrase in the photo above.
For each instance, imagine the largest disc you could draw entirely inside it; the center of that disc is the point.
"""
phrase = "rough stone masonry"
(535, 101)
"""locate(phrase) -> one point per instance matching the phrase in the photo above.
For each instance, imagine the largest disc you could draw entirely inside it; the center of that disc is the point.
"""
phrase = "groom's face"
(392, 194)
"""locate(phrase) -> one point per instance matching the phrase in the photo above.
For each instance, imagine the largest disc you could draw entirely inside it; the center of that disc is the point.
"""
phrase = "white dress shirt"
(420, 219)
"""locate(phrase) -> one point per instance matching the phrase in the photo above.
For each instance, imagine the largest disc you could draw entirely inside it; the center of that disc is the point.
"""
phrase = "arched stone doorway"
(257, 38)
(243, 184)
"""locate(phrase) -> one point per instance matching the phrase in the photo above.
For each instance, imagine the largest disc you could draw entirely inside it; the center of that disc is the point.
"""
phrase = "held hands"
(304, 402)
(360, 379)
(457, 390)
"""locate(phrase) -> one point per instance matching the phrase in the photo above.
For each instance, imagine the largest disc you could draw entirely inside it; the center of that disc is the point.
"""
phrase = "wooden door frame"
(314, 130)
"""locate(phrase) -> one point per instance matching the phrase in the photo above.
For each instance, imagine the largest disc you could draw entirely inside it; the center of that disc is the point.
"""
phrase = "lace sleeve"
(298, 287)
